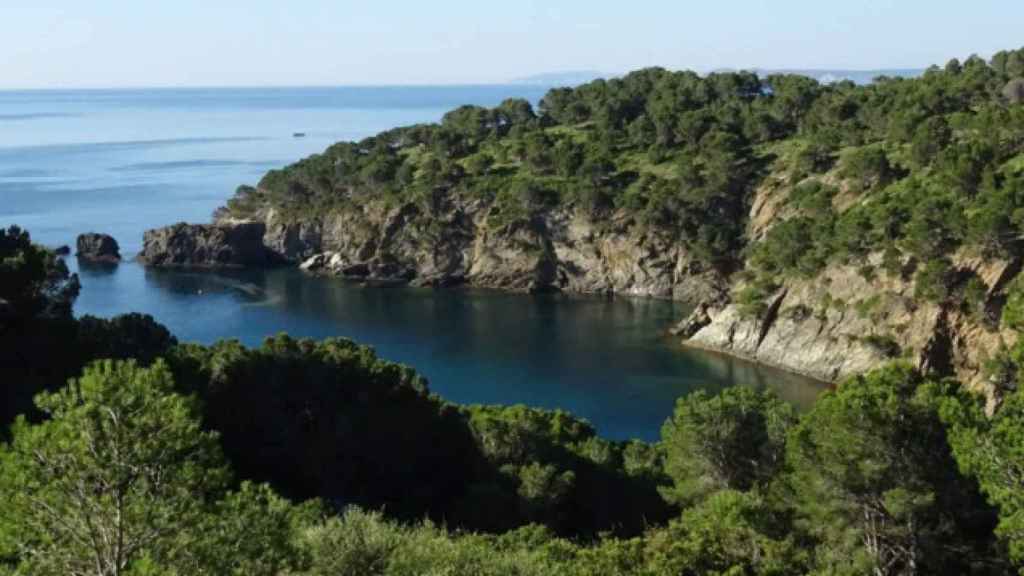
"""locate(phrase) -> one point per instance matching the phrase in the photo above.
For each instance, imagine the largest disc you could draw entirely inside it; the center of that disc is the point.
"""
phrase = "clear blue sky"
(101, 43)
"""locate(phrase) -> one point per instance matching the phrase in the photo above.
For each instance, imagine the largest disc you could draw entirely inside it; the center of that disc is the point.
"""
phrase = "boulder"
(223, 245)
(314, 263)
(62, 250)
(94, 247)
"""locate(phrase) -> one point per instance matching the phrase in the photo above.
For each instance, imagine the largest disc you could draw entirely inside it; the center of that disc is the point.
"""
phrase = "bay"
(123, 161)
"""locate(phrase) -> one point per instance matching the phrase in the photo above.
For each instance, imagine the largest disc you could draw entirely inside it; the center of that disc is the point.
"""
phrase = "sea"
(123, 161)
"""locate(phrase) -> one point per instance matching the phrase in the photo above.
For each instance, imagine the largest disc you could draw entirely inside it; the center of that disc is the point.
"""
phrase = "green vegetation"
(922, 166)
(303, 457)
(127, 453)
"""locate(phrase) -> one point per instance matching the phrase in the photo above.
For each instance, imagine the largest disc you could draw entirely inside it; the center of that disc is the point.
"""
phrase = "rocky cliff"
(849, 318)
(222, 245)
(456, 242)
(839, 323)
(453, 243)
(842, 323)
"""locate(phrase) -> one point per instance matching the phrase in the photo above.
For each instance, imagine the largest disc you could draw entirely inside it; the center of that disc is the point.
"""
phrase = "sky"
(133, 43)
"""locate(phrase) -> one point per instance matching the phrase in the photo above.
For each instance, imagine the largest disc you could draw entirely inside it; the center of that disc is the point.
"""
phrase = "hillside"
(821, 228)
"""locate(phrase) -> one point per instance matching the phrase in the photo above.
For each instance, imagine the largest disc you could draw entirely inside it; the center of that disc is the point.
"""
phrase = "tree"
(874, 484)
(930, 138)
(33, 280)
(118, 474)
(479, 164)
(1013, 310)
(330, 420)
(932, 281)
(122, 480)
(992, 450)
(867, 167)
(792, 96)
(730, 532)
(253, 532)
(734, 440)
(515, 112)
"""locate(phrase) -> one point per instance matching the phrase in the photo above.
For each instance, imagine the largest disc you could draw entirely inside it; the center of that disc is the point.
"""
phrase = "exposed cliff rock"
(453, 242)
(222, 245)
(841, 323)
(101, 248)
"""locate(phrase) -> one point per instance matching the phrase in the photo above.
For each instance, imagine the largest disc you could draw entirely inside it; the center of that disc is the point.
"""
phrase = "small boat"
(299, 135)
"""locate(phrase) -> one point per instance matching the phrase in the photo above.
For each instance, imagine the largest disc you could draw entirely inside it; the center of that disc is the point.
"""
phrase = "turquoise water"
(124, 161)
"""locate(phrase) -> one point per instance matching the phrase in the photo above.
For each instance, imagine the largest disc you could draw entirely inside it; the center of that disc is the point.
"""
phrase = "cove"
(606, 360)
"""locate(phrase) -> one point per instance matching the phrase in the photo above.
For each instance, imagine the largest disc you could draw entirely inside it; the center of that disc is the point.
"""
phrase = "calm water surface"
(124, 161)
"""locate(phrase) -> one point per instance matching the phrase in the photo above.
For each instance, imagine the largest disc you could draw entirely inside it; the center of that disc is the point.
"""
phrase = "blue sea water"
(123, 161)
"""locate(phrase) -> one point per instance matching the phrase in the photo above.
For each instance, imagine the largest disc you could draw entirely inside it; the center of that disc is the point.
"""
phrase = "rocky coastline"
(454, 245)
(218, 245)
(828, 328)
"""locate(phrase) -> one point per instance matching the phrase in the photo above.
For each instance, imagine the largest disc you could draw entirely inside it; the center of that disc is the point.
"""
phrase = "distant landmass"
(824, 75)
(567, 78)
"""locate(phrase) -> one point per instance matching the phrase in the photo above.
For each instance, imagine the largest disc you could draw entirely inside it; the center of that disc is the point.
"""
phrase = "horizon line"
(524, 81)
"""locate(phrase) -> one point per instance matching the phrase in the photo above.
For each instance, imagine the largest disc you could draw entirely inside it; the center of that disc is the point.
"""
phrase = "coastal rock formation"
(100, 248)
(459, 242)
(222, 245)
(841, 324)
(821, 229)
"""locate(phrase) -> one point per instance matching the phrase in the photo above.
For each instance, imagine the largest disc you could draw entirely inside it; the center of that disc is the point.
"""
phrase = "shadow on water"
(189, 283)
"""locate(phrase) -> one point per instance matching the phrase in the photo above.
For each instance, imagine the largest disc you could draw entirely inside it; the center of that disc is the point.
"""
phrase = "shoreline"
(826, 384)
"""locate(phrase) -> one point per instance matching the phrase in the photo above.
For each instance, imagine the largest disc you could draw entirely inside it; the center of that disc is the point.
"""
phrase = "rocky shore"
(221, 245)
(830, 327)
(450, 245)
(833, 326)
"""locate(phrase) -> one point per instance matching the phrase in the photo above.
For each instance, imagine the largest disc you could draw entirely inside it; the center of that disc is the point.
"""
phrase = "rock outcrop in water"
(99, 248)
(221, 245)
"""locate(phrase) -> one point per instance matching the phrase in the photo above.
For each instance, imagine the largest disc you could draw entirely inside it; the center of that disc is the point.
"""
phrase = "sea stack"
(99, 248)
(224, 245)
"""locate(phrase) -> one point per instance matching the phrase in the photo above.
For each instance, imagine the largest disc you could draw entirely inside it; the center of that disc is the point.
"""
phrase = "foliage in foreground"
(159, 458)
(121, 478)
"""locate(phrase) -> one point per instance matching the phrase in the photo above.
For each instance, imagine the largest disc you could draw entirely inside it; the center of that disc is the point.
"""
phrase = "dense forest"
(127, 452)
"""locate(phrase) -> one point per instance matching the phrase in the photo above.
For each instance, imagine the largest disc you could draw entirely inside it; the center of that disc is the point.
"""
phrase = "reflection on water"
(606, 360)
(96, 268)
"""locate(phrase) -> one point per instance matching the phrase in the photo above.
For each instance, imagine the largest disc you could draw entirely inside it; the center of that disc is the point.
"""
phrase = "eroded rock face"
(223, 245)
(95, 247)
(841, 324)
(455, 242)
